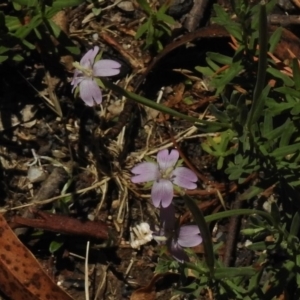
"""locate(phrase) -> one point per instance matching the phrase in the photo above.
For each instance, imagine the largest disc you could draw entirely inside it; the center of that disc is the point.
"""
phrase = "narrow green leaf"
(220, 115)
(205, 71)
(207, 241)
(268, 123)
(296, 74)
(165, 18)
(141, 30)
(251, 192)
(286, 150)
(221, 273)
(237, 212)
(212, 64)
(61, 4)
(290, 129)
(295, 226)
(277, 74)
(257, 106)
(259, 93)
(296, 109)
(275, 38)
(287, 90)
(160, 107)
(145, 6)
(55, 29)
(220, 58)
(276, 133)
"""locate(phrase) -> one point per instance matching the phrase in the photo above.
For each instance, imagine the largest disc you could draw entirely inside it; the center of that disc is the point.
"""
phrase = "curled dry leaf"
(147, 292)
(21, 276)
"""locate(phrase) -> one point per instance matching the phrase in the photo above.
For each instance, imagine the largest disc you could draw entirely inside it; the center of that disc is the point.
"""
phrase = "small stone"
(126, 6)
(36, 174)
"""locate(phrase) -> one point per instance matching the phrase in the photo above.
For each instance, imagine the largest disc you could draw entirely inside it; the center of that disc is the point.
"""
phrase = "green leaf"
(37, 33)
(276, 133)
(295, 226)
(25, 30)
(18, 58)
(220, 115)
(206, 71)
(238, 212)
(277, 74)
(73, 49)
(206, 125)
(227, 77)
(205, 233)
(165, 18)
(3, 58)
(54, 246)
(251, 192)
(296, 74)
(260, 92)
(275, 38)
(277, 108)
(96, 11)
(12, 23)
(290, 129)
(257, 106)
(221, 273)
(61, 4)
(145, 6)
(296, 110)
(55, 29)
(268, 123)
(219, 58)
(286, 150)
(286, 90)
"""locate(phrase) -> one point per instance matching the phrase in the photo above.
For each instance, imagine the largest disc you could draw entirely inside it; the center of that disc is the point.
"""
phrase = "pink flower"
(189, 236)
(85, 74)
(164, 175)
(176, 238)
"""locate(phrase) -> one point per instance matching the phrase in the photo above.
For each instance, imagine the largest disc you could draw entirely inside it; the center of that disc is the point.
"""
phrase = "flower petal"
(177, 252)
(167, 218)
(167, 160)
(184, 178)
(145, 171)
(162, 192)
(77, 78)
(90, 92)
(106, 67)
(189, 236)
(88, 59)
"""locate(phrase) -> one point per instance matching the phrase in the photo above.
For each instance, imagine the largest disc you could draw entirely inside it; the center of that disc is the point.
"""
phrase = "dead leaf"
(21, 276)
(147, 292)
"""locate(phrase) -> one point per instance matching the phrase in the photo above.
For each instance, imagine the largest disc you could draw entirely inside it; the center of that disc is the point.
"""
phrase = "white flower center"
(86, 72)
(166, 174)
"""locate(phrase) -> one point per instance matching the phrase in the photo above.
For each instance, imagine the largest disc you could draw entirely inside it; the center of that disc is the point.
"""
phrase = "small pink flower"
(164, 175)
(176, 238)
(189, 236)
(87, 70)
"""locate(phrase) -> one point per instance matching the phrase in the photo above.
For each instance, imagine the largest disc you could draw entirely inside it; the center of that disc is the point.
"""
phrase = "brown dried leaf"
(21, 276)
(147, 292)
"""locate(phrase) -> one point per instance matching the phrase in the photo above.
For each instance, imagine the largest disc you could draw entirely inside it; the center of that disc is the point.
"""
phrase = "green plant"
(256, 136)
(156, 26)
(29, 22)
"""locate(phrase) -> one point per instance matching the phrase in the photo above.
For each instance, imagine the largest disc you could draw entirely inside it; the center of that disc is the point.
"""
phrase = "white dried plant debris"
(140, 235)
